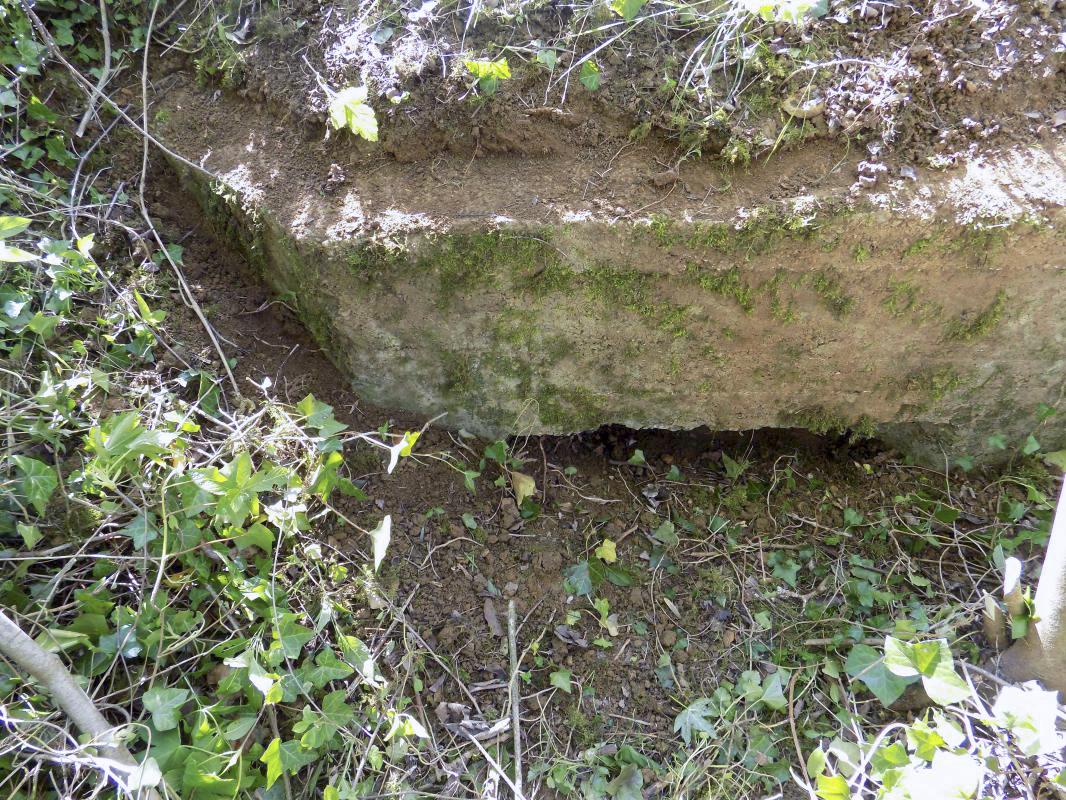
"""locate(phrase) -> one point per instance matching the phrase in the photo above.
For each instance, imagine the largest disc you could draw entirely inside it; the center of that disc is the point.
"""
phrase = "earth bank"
(527, 269)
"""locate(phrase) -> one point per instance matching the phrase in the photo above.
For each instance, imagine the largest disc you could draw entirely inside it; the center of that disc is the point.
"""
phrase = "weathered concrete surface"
(553, 295)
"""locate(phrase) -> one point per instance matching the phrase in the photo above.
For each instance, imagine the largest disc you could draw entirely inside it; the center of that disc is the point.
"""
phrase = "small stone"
(668, 638)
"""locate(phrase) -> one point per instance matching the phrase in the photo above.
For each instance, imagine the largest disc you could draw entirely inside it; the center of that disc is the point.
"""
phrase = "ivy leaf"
(348, 109)
(628, 784)
(38, 482)
(142, 529)
(867, 665)
(15, 255)
(1029, 713)
(590, 75)
(607, 552)
(560, 679)
(272, 758)
(945, 686)
(1056, 458)
(291, 635)
(627, 9)
(164, 705)
(12, 226)
(548, 57)
(30, 534)
(773, 692)
(585, 577)
(694, 719)
(833, 787)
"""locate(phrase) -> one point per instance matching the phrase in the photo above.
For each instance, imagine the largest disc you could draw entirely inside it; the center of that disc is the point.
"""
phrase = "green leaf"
(627, 9)
(469, 476)
(900, 658)
(833, 787)
(1031, 445)
(816, 762)
(348, 109)
(666, 534)
(380, 537)
(866, 664)
(560, 679)
(497, 451)
(585, 577)
(38, 481)
(12, 226)
(43, 324)
(617, 575)
(165, 706)
(15, 255)
(694, 719)
(489, 70)
(590, 75)
(637, 459)
(773, 692)
(998, 441)
(272, 758)
(328, 668)
(258, 535)
(945, 686)
(291, 635)
(1056, 458)
(628, 784)
(142, 529)
(30, 534)
(733, 469)
(548, 57)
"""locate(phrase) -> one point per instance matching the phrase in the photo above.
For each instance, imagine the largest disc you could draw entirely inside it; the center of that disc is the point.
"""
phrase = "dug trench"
(646, 567)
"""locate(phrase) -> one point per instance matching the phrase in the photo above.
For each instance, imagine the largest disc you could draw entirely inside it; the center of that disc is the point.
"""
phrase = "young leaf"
(272, 758)
(12, 226)
(590, 75)
(348, 109)
(560, 679)
(606, 551)
(15, 255)
(833, 787)
(30, 534)
(627, 9)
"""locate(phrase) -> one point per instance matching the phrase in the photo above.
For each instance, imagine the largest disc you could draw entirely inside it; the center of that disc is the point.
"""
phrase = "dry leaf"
(491, 618)
(523, 487)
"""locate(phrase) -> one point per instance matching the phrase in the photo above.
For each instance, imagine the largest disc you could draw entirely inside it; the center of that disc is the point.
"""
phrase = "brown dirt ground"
(688, 621)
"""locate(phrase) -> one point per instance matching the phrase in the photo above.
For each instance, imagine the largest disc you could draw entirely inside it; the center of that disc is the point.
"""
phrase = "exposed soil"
(694, 613)
(935, 79)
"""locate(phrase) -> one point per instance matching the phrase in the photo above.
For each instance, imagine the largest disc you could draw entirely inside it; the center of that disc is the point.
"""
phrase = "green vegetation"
(218, 568)
(975, 326)
(827, 284)
(728, 283)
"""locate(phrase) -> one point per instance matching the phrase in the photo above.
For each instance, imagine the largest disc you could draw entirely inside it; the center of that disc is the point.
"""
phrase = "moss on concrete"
(822, 421)
(969, 327)
(725, 283)
(828, 286)
(633, 291)
(933, 384)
